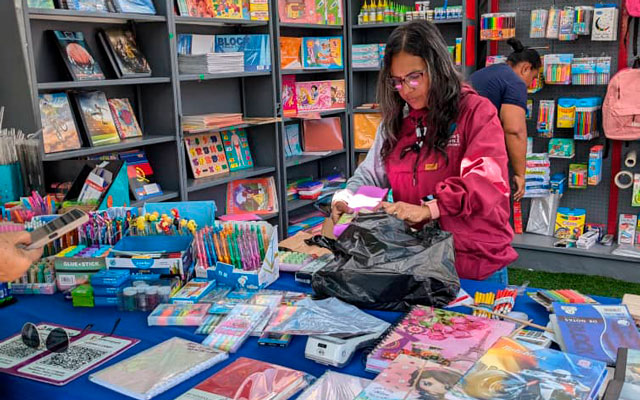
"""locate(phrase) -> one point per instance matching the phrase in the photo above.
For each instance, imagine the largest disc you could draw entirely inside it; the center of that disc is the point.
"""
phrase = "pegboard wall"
(594, 199)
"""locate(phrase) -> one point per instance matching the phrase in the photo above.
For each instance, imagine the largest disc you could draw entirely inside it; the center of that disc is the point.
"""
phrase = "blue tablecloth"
(134, 324)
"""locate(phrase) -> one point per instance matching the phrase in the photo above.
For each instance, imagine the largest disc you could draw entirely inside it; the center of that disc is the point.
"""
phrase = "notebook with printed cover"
(236, 147)
(256, 49)
(59, 131)
(412, 378)
(313, 96)
(124, 54)
(206, 155)
(246, 378)
(290, 52)
(140, 174)
(338, 94)
(124, 118)
(253, 196)
(513, 370)
(596, 331)
(289, 96)
(445, 337)
(135, 6)
(322, 52)
(96, 117)
(77, 57)
(158, 368)
(86, 351)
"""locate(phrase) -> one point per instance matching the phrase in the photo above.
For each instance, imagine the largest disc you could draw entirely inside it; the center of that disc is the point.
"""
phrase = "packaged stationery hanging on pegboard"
(557, 69)
(497, 26)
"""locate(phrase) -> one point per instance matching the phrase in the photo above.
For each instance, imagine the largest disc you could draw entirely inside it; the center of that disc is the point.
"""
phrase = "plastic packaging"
(236, 327)
(381, 263)
(324, 317)
(542, 214)
(335, 386)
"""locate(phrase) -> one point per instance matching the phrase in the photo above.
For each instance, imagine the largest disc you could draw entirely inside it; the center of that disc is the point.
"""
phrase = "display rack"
(363, 81)
(316, 166)
(538, 251)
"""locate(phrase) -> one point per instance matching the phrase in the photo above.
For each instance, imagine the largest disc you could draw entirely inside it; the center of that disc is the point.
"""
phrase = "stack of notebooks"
(205, 122)
(594, 331)
(211, 63)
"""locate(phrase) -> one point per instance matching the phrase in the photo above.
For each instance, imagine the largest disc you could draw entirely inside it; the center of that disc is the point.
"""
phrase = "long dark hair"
(421, 39)
(523, 54)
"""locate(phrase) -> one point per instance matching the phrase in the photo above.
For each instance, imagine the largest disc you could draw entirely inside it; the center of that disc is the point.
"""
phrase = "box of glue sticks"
(75, 265)
(245, 254)
(158, 254)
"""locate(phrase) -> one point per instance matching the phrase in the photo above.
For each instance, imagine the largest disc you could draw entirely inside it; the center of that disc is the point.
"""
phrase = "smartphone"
(58, 227)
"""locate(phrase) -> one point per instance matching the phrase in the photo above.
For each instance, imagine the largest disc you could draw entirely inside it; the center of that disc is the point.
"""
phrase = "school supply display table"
(40, 308)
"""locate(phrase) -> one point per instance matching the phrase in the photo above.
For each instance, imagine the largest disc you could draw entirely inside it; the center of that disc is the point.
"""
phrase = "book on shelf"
(338, 94)
(203, 122)
(625, 384)
(292, 140)
(322, 52)
(124, 118)
(247, 378)
(194, 44)
(135, 6)
(88, 5)
(253, 196)
(427, 332)
(124, 54)
(324, 134)
(313, 96)
(256, 49)
(290, 52)
(289, 96)
(258, 10)
(230, 9)
(96, 118)
(158, 368)
(365, 128)
(595, 331)
(77, 57)
(141, 181)
(211, 63)
(59, 131)
(207, 155)
(524, 372)
(46, 4)
(236, 147)
(297, 11)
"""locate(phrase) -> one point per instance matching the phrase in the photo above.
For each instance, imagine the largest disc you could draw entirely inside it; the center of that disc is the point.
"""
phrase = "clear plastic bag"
(542, 214)
(325, 317)
(335, 386)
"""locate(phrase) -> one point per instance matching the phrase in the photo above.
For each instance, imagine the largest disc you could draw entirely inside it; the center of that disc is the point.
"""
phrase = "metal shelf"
(100, 83)
(311, 26)
(299, 160)
(397, 24)
(123, 145)
(167, 195)
(205, 183)
(367, 69)
(229, 75)
(322, 114)
(92, 16)
(293, 205)
(366, 111)
(310, 71)
(218, 22)
(365, 151)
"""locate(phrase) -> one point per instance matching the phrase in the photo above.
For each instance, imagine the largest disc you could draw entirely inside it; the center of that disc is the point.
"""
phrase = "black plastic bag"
(382, 264)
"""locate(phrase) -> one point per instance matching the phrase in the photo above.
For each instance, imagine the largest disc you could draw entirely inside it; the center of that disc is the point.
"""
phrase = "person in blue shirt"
(505, 85)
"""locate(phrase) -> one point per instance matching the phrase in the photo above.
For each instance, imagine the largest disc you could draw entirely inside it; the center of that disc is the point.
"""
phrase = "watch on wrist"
(431, 203)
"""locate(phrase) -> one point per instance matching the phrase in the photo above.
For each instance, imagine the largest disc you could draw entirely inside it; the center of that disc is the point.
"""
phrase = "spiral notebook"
(445, 337)
(158, 369)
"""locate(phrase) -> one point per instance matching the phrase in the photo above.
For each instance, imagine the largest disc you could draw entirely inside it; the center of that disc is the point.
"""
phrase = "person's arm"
(15, 261)
(514, 123)
(481, 185)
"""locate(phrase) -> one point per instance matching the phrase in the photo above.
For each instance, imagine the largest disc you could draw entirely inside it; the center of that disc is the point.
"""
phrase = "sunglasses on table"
(412, 80)
(58, 339)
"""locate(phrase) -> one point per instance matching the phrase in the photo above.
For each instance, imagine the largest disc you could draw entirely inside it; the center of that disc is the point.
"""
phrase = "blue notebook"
(596, 331)
(257, 53)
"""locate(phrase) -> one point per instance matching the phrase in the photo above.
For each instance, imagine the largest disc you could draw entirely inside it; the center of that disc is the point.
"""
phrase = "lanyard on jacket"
(421, 133)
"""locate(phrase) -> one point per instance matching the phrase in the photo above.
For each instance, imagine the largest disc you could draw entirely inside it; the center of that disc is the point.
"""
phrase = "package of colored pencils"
(583, 71)
(603, 70)
(553, 23)
(582, 21)
(586, 126)
(538, 23)
(546, 117)
(497, 26)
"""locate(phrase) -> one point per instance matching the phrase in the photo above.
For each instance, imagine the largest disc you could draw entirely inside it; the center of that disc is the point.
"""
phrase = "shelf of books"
(371, 22)
(98, 84)
(227, 105)
(314, 106)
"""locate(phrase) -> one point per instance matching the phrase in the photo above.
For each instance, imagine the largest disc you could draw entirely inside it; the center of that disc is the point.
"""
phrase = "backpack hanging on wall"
(621, 106)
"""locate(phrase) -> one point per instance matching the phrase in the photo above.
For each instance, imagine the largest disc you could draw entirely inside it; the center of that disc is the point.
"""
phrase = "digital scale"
(337, 352)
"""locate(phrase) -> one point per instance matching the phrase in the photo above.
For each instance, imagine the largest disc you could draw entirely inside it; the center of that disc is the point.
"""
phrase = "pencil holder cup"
(10, 182)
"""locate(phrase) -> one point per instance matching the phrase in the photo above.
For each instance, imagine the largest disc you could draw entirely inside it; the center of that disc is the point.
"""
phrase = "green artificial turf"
(587, 284)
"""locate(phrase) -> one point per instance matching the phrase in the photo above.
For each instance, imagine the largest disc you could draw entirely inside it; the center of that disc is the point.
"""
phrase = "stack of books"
(204, 122)
(211, 63)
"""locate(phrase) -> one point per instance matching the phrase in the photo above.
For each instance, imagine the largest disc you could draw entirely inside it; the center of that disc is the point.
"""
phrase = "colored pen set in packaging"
(590, 70)
(242, 245)
(557, 69)
(538, 23)
(586, 127)
(546, 118)
(497, 26)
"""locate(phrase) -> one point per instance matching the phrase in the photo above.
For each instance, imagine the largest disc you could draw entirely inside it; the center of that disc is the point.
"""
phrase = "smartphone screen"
(55, 228)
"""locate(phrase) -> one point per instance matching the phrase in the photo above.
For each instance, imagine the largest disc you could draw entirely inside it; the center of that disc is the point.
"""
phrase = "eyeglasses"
(412, 80)
(58, 339)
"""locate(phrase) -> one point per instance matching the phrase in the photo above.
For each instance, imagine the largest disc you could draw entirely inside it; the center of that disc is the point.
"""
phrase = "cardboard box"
(74, 271)
(226, 274)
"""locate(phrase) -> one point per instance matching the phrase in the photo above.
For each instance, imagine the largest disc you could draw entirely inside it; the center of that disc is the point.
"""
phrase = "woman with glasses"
(440, 148)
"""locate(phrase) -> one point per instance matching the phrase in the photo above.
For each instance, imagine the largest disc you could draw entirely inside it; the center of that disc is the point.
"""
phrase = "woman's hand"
(15, 261)
(409, 213)
(337, 209)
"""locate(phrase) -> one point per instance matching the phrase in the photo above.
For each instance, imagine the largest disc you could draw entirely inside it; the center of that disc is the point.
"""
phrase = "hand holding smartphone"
(58, 227)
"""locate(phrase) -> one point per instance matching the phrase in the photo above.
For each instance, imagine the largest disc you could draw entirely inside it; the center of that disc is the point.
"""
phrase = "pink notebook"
(445, 337)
